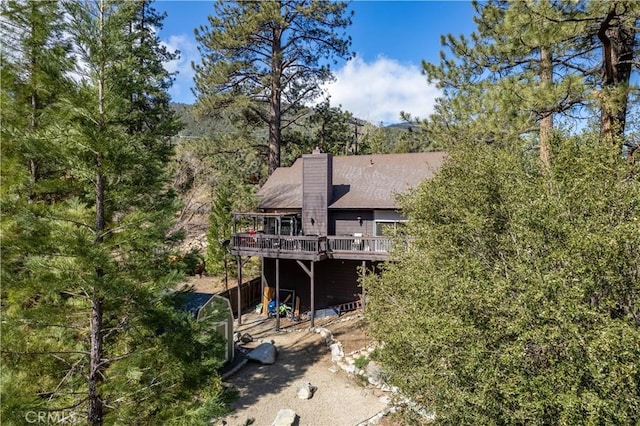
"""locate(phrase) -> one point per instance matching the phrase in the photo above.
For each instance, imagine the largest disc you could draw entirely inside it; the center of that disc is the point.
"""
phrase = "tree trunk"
(275, 136)
(96, 404)
(546, 123)
(617, 51)
(95, 411)
(275, 119)
(33, 163)
(100, 221)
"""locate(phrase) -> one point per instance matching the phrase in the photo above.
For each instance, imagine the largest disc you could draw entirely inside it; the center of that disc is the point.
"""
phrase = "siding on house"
(336, 281)
(345, 222)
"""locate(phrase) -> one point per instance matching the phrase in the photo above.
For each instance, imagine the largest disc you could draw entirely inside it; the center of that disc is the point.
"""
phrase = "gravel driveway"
(303, 356)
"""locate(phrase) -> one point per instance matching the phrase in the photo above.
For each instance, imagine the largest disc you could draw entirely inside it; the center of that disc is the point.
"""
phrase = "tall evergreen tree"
(268, 58)
(220, 229)
(616, 27)
(335, 132)
(529, 62)
(32, 70)
(90, 332)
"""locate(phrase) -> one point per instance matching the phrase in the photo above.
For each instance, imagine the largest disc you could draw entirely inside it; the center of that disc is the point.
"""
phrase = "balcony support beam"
(239, 260)
(263, 284)
(277, 294)
(304, 267)
(313, 294)
(311, 273)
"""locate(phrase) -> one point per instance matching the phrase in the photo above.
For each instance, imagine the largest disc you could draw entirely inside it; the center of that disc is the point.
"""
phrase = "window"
(388, 228)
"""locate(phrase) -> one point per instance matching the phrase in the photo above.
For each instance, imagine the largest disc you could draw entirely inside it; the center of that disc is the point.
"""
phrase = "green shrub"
(519, 301)
(361, 362)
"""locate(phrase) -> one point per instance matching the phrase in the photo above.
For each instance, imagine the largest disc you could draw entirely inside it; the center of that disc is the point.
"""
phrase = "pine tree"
(33, 67)
(616, 28)
(90, 327)
(531, 66)
(220, 229)
(334, 128)
(269, 58)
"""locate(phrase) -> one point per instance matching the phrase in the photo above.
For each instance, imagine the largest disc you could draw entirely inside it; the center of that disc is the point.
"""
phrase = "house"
(324, 221)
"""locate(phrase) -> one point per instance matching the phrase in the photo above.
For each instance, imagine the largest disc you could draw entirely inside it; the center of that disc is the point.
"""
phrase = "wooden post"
(262, 284)
(277, 294)
(313, 294)
(239, 293)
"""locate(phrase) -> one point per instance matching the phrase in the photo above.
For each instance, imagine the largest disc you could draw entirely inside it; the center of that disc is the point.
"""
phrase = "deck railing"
(359, 244)
(338, 245)
(262, 242)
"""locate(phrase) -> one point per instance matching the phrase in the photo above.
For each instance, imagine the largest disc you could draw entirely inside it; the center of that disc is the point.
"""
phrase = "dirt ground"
(341, 399)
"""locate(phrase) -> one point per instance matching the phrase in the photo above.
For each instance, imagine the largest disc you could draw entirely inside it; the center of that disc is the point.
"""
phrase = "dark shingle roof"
(359, 181)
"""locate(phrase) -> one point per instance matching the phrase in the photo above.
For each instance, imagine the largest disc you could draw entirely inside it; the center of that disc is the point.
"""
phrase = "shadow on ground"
(298, 349)
(303, 356)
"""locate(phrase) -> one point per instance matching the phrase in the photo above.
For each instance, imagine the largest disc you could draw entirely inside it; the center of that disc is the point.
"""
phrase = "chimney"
(317, 192)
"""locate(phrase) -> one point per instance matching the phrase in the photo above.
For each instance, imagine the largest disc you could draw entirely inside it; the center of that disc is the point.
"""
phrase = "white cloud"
(379, 91)
(181, 89)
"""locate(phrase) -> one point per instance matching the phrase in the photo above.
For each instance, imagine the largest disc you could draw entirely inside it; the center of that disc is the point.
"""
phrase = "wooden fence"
(249, 293)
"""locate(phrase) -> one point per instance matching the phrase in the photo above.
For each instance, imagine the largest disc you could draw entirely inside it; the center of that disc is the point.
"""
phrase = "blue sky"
(390, 38)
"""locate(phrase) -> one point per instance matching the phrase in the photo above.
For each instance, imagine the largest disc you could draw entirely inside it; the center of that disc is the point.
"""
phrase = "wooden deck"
(311, 247)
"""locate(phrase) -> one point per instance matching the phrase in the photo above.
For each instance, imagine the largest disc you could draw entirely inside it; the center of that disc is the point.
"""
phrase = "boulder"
(375, 373)
(305, 390)
(327, 336)
(265, 353)
(285, 417)
(336, 352)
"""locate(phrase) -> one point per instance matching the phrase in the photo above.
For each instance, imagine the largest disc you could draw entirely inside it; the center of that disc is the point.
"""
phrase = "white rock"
(336, 352)
(285, 417)
(351, 369)
(374, 371)
(266, 353)
(305, 390)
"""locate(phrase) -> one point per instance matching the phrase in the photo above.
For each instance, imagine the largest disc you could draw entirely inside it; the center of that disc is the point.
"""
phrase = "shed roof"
(359, 181)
